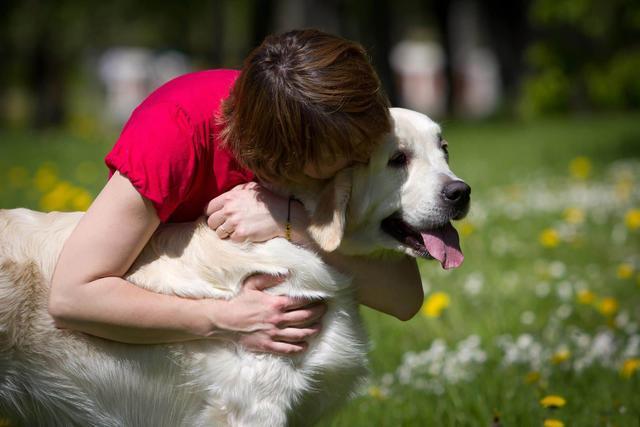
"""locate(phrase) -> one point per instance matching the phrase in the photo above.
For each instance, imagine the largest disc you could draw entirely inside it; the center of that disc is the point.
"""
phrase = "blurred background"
(71, 61)
(539, 100)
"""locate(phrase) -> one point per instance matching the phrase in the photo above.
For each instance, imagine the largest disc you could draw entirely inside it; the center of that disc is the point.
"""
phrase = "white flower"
(633, 347)
(622, 319)
(527, 317)
(557, 269)
(564, 311)
(565, 291)
(542, 289)
(474, 283)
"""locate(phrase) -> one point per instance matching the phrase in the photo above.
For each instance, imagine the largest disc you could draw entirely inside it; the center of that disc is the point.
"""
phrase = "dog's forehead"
(413, 129)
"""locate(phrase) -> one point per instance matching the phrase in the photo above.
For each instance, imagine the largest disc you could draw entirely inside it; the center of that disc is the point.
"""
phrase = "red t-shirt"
(170, 147)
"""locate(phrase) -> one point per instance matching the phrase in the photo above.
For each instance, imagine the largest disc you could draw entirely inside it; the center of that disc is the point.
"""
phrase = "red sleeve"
(157, 154)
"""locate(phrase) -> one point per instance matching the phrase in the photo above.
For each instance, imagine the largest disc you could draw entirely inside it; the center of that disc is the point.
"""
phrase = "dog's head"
(403, 200)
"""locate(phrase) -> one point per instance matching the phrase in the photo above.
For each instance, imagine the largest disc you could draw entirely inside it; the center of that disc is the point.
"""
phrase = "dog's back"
(56, 377)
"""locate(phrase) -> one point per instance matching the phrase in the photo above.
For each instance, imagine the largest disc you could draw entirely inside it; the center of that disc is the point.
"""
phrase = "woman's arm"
(390, 285)
(89, 295)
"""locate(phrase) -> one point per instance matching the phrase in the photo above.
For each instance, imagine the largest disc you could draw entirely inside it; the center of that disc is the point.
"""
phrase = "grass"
(520, 296)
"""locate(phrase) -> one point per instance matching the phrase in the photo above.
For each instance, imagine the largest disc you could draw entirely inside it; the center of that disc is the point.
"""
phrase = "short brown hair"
(303, 96)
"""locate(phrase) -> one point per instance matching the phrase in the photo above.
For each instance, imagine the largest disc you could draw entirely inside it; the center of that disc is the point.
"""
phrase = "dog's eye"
(444, 146)
(399, 159)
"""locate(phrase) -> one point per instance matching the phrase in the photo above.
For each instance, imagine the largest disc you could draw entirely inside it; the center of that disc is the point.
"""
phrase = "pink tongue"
(444, 245)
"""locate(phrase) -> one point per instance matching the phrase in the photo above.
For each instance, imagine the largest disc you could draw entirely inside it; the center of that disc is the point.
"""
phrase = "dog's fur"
(60, 377)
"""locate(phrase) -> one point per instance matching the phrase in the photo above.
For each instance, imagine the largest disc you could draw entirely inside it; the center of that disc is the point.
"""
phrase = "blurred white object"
(131, 73)
(480, 92)
(477, 77)
(419, 66)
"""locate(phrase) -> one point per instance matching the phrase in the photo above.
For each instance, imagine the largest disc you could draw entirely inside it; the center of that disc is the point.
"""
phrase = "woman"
(305, 105)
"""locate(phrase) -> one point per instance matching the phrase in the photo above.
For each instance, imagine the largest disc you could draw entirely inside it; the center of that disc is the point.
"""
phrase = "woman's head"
(304, 99)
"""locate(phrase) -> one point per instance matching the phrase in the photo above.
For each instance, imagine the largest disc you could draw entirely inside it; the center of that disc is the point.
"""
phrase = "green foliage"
(585, 56)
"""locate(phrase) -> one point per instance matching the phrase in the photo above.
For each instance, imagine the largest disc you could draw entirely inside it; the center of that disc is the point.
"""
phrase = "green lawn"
(546, 303)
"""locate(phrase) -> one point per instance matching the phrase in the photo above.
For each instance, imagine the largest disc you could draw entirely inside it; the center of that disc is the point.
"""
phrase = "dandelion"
(580, 167)
(45, 178)
(624, 271)
(377, 393)
(552, 422)
(435, 304)
(553, 401)
(632, 219)
(574, 215)
(81, 201)
(466, 228)
(549, 238)
(608, 306)
(560, 356)
(629, 367)
(586, 297)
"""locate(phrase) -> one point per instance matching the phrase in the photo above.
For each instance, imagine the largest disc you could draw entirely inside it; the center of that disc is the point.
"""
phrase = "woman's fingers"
(216, 204)
(284, 348)
(295, 335)
(216, 219)
(225, 230)
(262, 342)
(308, 315)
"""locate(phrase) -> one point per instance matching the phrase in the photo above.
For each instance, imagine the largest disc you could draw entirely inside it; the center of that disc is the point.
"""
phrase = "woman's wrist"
(208, 322)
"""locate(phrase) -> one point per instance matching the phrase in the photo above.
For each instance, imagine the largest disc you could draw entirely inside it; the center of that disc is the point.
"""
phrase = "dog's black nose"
(456, 193)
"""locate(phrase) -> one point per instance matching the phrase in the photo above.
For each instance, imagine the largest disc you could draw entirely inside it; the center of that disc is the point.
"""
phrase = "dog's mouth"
(441, 243)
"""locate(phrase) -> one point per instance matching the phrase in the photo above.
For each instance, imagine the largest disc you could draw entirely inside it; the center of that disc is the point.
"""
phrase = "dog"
(401, 202)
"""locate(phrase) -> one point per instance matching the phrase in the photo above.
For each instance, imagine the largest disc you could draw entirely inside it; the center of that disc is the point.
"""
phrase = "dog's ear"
(328, 220)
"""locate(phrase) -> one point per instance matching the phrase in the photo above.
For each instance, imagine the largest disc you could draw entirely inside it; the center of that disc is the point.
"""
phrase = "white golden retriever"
(402, 201)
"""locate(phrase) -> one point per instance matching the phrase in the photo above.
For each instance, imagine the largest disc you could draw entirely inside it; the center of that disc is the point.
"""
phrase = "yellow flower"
(629, 367)
(574, 215)
(466, 228)
(624, 271)
(608, 306)
(435, 304)
(551, 422)
(586, 297)
(632, 219)
(58, 197)
(18, 176)
(532, 377)
(45, 177)
(560, 356)
(377, 393)
(553, 401)
(580, 167)
(549, 238)
(81, 201)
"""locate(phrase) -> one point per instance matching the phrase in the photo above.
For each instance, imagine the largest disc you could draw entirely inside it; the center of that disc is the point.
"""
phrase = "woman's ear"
(328, 220)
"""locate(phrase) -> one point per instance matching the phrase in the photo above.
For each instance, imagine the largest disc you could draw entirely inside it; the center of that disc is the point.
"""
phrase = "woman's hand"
(248, 212)
(269, 323)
